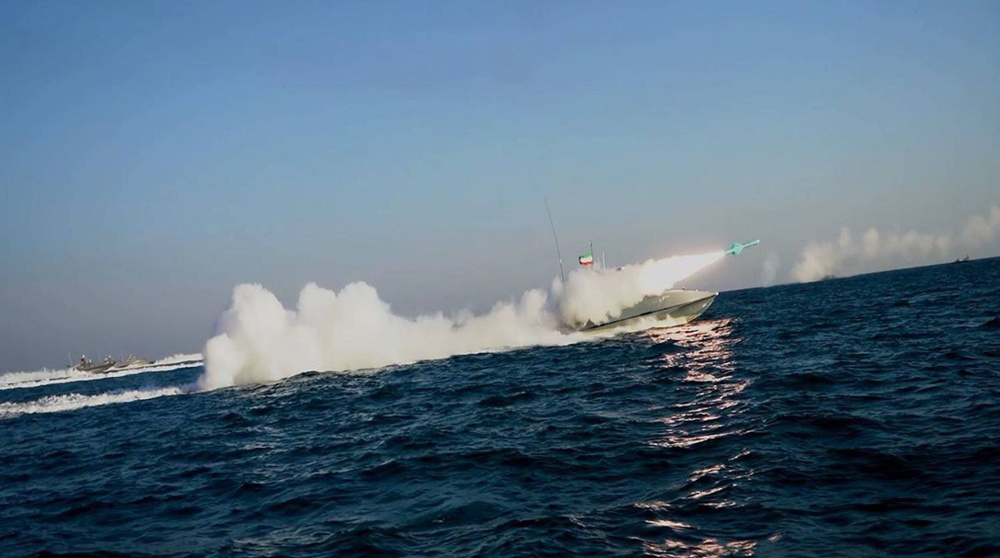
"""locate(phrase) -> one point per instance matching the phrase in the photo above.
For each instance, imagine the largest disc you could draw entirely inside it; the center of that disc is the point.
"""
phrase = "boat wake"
(22, 380)
(73, 401)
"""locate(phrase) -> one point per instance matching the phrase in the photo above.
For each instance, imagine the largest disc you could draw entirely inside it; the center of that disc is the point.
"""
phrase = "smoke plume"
(769, 269)
(258, 340)
(599, 297)
(875, 250)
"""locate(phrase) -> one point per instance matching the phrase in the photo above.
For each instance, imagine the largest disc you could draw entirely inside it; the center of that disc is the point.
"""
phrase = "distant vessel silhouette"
(109, 364)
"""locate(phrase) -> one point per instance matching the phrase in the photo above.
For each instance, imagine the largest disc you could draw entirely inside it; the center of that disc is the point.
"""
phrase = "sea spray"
(44, 377)
(259, 340)
(73, 401)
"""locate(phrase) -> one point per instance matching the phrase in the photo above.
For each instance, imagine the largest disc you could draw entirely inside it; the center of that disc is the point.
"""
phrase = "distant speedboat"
(110, 364)
(962, 260)
(671, 308)
(131, 362)
(86, 365)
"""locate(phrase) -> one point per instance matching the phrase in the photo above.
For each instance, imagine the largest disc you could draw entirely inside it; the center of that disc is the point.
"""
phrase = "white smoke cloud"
(769, 270)
(258, 340)
(878, 250)
(980, 229)
(598, 297)
(354, 329)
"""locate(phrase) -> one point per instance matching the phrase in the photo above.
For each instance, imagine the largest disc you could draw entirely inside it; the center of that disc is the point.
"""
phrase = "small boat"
(131, 362)
(962, 260)
(86, 365)
(671, 308)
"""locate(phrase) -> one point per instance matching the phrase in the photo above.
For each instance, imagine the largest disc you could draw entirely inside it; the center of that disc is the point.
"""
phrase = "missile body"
(737, 247)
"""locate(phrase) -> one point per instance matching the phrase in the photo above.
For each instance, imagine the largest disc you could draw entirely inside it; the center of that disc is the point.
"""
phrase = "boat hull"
(672, 308)
(96, 368)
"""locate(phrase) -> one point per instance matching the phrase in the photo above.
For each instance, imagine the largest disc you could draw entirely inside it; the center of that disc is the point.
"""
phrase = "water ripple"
(853, 417)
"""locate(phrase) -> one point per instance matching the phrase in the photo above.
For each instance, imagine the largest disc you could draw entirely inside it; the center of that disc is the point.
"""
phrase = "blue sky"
(155, 154)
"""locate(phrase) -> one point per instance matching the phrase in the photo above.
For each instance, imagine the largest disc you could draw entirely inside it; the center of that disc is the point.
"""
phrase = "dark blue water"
(852, 417)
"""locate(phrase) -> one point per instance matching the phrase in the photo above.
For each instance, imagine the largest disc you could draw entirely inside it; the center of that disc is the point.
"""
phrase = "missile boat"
(673, 307)
(87, 365)
(670, 308)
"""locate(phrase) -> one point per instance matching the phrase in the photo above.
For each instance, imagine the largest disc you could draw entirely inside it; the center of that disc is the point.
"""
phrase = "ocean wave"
(73, 401)
(21, 380)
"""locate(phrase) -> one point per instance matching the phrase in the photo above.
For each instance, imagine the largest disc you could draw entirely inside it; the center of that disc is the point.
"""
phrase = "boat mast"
(562, 274)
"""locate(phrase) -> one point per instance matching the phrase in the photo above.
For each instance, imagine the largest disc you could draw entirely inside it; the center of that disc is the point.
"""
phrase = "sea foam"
(73, 401)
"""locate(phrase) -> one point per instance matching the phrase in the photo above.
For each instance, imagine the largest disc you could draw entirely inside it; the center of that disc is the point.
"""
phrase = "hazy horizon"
(157, 155)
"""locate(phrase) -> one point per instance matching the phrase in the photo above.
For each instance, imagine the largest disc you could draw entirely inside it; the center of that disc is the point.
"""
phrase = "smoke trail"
(877, 250)
(258, 340)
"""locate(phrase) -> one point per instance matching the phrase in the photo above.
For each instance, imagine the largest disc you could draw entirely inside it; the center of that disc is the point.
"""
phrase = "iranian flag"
(587, 259)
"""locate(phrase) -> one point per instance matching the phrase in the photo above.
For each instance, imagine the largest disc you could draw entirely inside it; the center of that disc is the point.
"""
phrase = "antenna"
(562, 274)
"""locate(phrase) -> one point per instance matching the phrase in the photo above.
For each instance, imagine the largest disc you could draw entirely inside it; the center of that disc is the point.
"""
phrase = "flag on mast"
(587, 259)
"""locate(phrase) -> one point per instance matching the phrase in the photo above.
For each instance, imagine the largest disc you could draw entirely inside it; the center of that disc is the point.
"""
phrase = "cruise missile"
(736, 248)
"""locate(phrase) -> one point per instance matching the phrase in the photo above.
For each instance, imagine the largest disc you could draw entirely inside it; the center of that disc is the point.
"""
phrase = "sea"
(851, 417)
